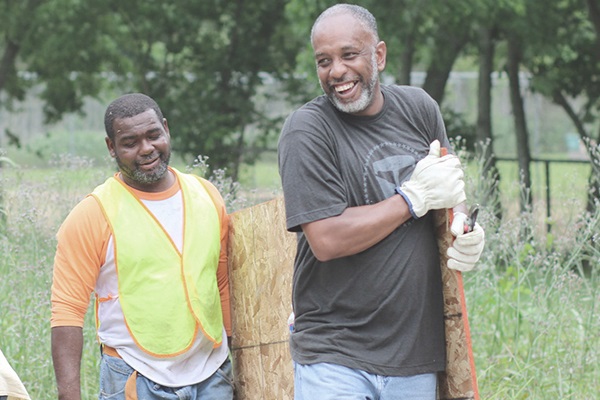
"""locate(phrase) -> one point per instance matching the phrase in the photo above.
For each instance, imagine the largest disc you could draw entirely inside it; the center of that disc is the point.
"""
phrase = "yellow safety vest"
(166, 296)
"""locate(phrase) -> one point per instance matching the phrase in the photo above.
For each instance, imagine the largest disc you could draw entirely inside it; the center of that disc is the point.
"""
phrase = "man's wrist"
(399, 191)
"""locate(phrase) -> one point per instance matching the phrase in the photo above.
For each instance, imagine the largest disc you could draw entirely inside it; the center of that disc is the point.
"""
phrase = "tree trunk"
(594, 17)
(7, 64)
(406, 60)
(12, 44)
(484, 146)
(446, 51)
(523, 154)
(593, 200)
(594, 178)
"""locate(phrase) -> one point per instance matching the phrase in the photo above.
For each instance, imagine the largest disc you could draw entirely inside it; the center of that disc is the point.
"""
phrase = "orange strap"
(130, 385)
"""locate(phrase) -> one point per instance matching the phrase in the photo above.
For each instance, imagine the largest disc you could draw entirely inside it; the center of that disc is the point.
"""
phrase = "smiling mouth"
(345, 88)
(149, 163)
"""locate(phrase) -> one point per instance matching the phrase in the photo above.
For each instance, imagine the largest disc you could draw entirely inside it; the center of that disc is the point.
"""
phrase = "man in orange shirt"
(151, 244)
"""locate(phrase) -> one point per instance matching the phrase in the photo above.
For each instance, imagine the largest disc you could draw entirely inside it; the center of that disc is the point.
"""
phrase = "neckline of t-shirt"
(370, 118)
(152, 196)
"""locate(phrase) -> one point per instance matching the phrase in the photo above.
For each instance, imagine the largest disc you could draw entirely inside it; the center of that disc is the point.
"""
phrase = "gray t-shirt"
(380, 310)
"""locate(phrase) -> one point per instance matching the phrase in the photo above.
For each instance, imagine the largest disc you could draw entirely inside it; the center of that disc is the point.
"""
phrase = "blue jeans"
(326, 381)
(114, 373)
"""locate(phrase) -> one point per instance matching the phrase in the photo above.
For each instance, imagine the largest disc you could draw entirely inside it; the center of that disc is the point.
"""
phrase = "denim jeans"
(326, 381)
(114, 373)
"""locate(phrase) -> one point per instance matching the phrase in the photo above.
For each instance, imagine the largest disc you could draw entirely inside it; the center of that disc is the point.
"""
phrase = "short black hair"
(126, 106)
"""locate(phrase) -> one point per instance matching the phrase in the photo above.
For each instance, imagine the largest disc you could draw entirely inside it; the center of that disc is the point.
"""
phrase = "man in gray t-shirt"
(361, 167)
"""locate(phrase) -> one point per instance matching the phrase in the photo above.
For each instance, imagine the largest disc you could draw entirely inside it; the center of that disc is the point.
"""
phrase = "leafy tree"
(513, 29)
(17, 19)
(487, 16)
(202, 61)
(568, 71)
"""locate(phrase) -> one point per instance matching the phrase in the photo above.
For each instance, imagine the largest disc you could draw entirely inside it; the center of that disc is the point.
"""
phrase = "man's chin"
(150, 177)
(352, 107)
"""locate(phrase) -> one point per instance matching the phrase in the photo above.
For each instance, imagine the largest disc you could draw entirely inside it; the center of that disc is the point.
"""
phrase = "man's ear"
(110, 146)
(166, 126)
(381, 53)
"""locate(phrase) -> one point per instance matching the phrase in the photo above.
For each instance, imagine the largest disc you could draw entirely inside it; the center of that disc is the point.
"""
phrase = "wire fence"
(574, 187)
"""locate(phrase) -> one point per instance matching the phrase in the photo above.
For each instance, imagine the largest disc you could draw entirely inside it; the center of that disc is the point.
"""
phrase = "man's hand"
(436, 183)
(467, 247)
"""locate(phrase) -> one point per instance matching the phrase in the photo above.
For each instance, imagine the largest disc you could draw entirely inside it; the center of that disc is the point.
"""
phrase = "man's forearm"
(67, 345)
(356, 229)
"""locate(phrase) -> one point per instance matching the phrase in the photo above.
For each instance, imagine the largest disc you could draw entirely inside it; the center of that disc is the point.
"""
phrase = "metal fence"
(547, 187)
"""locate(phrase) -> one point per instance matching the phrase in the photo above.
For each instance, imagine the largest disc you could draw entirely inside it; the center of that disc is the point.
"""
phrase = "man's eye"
(350, 55)
(323, 62)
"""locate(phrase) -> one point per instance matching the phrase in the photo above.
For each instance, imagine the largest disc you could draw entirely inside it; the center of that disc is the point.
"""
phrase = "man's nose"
(146, 147)
(338, 69)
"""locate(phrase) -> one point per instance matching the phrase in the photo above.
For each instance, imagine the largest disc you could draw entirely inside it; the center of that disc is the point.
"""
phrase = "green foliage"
(564, 56)
(4, 161)
(217, 68)
(202, 62)
(229, 189)
(458, 128)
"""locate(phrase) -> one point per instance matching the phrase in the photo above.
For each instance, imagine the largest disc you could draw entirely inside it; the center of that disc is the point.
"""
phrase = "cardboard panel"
(261, 258)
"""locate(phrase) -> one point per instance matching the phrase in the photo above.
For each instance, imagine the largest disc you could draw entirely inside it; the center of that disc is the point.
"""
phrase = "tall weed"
(533, 309)
(35, 204)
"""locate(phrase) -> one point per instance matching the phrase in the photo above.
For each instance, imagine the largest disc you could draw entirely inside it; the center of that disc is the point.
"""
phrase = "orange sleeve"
(82, 240)
(223, 269)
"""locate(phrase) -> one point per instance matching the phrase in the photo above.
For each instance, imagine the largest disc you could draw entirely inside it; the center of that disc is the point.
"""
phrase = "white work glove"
(467, 247)
(436, 183)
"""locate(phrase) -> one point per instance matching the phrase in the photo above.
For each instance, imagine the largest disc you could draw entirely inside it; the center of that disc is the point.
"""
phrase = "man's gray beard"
(150, 177)
(366, 96)
(146, 177)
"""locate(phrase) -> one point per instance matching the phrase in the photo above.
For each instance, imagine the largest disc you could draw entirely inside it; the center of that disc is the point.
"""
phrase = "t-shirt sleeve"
(222, 270)
(81, 247)
(308, 165)
(433, 120)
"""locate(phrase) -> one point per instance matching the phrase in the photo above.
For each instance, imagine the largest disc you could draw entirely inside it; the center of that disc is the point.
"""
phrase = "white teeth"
(344, 87)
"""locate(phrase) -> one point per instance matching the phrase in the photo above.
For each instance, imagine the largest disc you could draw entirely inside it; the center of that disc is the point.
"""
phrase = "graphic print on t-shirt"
(386, 166)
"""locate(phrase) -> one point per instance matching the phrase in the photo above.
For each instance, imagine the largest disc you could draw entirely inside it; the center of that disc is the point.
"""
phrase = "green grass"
(533, 311)
(35, 203)
(45, 149)
(534, 314)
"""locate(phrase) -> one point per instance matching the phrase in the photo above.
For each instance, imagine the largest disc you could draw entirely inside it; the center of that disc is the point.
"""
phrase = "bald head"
(361, 14)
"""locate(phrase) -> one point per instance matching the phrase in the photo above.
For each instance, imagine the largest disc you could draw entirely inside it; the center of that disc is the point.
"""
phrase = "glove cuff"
(399, 191)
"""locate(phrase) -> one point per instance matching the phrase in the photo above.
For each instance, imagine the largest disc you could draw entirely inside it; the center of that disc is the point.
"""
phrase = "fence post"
(548, 224)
